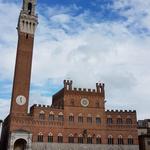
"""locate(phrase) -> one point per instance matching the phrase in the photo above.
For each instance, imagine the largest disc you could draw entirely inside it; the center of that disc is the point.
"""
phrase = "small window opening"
(29, 8)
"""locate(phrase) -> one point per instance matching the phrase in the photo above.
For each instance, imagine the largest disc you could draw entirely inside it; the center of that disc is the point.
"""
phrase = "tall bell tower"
(27, 24)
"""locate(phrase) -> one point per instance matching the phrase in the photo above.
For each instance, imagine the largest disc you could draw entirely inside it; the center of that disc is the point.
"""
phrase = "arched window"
(109, 120)
(80, 118)
(72, 102)
(80, 138)
(51, 116)
(71, 138)
(89, 118)
(89, 139)
(40, 137)
(119, 120)
(97, 104)
(110, 139)
(129, 120)
(50, 137)
(120, 140)
(60, 138)
(130, 140)
(29, 8)
(98, 120)
(98, 139)
(60, 116)
(71, 117)
(42, 115)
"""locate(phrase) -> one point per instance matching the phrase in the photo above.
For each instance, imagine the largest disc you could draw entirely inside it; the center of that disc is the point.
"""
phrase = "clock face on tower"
(84, 102)
(21, 100)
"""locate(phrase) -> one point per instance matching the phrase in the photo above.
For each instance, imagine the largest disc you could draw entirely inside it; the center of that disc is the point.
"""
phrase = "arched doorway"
(20, 144)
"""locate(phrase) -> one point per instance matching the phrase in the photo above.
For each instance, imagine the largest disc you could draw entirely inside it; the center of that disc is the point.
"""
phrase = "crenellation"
(120, 111)
(89, 90)
(84, 89)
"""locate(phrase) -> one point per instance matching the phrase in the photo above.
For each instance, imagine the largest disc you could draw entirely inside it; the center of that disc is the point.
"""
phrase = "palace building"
(77, 118)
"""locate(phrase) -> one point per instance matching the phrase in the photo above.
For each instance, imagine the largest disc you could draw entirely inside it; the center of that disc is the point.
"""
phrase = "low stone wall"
(63, 146)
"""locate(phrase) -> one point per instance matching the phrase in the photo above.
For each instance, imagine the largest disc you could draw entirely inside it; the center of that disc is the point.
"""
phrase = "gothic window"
(60, 116)
(29, 8)
(89, 139)
(50, 138)
(40, 137)
(71, 118)
(98, 120)
(120, 140)
(72, 102)
(42, 115)
(70, 139)
(80, 118)
(98, 140)
(51, 116)
(89, 118)
(110, 139)
(119, 120)
(60, 138)
(109, 120)
(130, 140)
(97, 104)
(129, 121)
(80, 139)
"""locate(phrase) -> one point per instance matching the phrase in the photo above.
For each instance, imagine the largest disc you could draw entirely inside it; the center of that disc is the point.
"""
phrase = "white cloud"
(85, 52)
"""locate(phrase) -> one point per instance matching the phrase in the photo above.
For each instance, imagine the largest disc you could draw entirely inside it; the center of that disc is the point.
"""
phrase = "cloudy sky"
(86, 41)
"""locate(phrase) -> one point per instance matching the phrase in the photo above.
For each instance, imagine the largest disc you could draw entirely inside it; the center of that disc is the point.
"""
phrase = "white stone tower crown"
(28, 18)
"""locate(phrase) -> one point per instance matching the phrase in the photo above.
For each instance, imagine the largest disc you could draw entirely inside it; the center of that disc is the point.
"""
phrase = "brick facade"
(76, 117)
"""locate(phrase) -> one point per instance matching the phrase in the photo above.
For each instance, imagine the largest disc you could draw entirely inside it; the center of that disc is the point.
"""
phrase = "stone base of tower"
(66, 146)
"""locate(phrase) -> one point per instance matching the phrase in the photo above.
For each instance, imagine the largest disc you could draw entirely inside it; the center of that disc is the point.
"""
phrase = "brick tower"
(26, 28)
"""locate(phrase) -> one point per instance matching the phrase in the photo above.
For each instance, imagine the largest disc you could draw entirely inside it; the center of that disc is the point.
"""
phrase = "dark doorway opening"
(20, 144)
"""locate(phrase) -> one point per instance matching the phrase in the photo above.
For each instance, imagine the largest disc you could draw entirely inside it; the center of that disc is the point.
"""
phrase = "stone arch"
(71, 114)
(60, 114)
(51, 113)
(20, 144)
(80, 115)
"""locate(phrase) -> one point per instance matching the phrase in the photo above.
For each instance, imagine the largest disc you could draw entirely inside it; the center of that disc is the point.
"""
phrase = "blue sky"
(86, 41)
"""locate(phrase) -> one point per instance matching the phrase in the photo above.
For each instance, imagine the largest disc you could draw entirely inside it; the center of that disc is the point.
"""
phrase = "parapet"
(99, 88)
(41, 106)
(120, 111)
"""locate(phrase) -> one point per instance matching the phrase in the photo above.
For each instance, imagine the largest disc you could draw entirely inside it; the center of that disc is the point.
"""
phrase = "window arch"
(89, 118)
(120, 140)
(98, 119)
(71, 138)
(40, 137)
(80, 138)
(110, 139)
(42, 115)
(98, 139)
(51, 116)
(129, 120)
(89, 139)
(71, 117)
(80, 118)
(60, 116)
(50, 137)
(130, 140)
(72, 102)
(60, 138)
(109, 120)
(119, 120)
